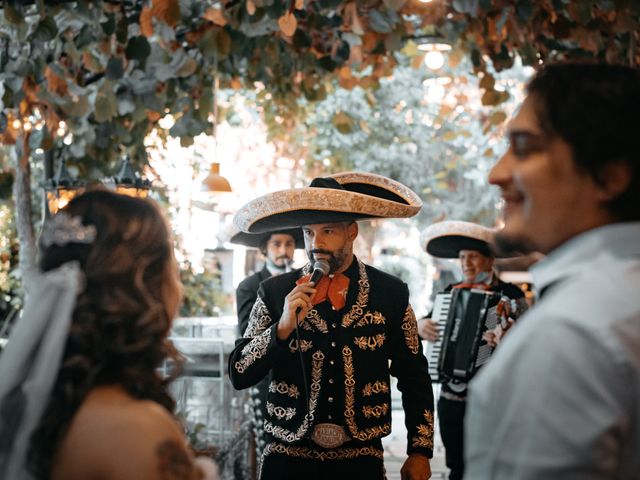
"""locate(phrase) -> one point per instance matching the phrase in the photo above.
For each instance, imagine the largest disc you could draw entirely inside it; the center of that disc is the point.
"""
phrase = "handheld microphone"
(320, 269)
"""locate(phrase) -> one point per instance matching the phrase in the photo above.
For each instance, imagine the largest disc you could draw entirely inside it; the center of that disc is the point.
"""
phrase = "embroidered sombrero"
(336, 198)
(231, 233)
(446, 239)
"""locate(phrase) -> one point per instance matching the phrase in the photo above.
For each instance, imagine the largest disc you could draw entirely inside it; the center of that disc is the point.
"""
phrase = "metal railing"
(216, 416)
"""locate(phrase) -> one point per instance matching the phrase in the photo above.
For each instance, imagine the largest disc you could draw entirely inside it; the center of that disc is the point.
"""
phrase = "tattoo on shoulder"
(173, 461)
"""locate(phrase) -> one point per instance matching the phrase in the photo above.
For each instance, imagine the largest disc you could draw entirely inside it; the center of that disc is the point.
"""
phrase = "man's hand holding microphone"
(298, 302)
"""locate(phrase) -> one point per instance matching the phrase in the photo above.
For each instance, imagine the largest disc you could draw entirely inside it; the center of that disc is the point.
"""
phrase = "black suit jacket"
(246, 295)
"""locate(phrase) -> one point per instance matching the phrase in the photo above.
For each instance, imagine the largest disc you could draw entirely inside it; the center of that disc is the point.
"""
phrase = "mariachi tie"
(332, 287)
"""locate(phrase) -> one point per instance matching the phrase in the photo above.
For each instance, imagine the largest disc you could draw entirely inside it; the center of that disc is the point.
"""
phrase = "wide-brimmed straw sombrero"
(336, 198)
(231, 233)
(446, 239)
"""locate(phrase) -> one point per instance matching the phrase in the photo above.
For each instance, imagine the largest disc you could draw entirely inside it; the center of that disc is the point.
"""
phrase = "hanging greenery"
(497, 31)
(110, 69)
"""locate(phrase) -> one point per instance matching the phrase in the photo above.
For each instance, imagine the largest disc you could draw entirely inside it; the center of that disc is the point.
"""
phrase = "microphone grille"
(323, 266)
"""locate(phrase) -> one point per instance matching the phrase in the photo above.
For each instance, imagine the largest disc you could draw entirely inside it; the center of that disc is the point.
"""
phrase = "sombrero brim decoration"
(446, 239)
(341, 197)
(236, 236)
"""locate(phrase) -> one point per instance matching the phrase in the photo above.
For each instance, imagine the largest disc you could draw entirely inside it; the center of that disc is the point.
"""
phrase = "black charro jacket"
(348, 357)
(246, 295)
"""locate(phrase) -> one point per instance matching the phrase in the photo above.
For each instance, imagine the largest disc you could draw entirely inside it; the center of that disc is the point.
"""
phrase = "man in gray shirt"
(561, 397)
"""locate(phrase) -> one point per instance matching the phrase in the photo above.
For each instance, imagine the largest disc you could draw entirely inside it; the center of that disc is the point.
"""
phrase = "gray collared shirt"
(560, 398)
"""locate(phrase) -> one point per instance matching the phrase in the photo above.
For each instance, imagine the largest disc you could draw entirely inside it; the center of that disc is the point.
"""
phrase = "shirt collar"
(352, 270)
(274, 270)
(617, 241)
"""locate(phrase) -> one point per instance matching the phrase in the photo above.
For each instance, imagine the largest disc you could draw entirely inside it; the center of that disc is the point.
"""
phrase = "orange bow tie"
(333, 287)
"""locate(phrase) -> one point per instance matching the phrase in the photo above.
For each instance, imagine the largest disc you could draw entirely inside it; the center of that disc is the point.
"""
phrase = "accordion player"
(460, 317)
(464, 315)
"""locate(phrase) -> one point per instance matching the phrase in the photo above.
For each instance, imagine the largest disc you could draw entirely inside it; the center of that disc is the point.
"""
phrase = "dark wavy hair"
(594, 108)
(122, 318)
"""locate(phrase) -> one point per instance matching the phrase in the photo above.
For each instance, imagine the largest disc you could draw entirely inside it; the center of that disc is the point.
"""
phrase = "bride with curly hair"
(81, 395)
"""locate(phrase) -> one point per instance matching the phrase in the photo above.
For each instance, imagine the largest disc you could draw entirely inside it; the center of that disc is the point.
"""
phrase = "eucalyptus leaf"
(78, 148)
(301, 39)
(36, 137)
(126, 104)
(186, 142)
(395, 4)
(103, 137)
(524, 10)
(343, 122)
(380, 22)
(109, 26)
(106, 106)
(45, 31)
(340, 52)
(141, 84)
(115, 69)
(6, 184)
(138, 48)
(265, 26)
(165, 71)
(153, 101)
(139, 114)
(187, 67)
(330, 3)
(121, 30)
(466, 6)
(394, 40)
(223, 44)
(13, 14)
(77, 107)
(86, 37)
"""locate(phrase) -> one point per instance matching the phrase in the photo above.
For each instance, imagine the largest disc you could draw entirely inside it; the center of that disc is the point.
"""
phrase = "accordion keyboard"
(440, 312)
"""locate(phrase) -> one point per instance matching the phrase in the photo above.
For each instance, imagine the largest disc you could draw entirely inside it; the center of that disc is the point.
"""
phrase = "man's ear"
(615, 178)
(352, 231)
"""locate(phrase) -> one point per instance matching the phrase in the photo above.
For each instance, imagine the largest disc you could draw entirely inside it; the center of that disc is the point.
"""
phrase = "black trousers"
(279, 466)
(451, 422)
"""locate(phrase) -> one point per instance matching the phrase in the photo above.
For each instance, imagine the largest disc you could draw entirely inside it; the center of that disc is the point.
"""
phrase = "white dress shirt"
(560, 399)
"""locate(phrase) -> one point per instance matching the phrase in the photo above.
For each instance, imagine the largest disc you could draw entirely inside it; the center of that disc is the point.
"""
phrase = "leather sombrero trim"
(455, 228)
(435, 237)
(402, 191)
(319, 199)
(449, 246)
(233, 234)
(255, 240)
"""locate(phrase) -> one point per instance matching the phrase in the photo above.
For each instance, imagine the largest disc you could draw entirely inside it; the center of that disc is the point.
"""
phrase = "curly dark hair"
(594, 108)
(122, 318)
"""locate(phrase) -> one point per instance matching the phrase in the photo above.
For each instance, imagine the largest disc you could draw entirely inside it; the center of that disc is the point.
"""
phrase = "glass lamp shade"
(128, 182)
(59, 197)
(133, 191)
(214, 182)
(61, 189)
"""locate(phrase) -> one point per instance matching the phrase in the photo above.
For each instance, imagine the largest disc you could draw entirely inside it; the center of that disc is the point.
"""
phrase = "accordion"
(462, 317)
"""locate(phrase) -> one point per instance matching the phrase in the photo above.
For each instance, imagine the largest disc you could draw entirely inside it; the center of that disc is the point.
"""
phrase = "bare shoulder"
(115, 436)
